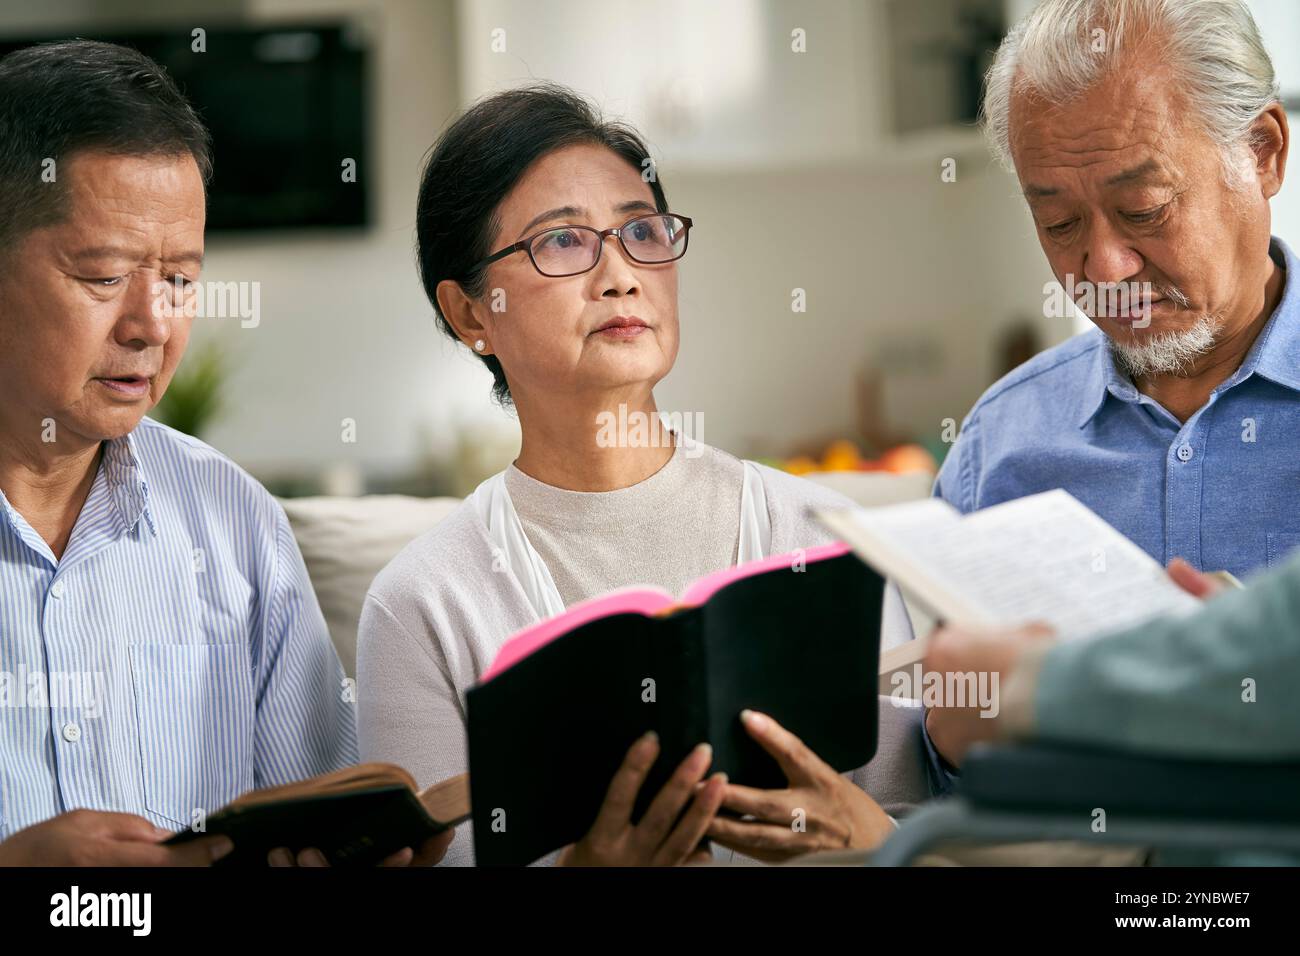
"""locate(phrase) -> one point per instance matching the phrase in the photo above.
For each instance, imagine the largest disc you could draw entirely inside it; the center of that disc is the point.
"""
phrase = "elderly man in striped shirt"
(162, 647)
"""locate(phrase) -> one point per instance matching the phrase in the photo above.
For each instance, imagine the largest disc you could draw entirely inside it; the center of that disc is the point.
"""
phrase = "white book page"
(1046, 558)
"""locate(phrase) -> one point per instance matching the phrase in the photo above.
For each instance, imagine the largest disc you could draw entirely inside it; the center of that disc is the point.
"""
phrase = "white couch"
(346, 541)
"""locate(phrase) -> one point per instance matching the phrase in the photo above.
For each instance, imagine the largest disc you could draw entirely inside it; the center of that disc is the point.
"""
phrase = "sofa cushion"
(346, 541)
(873, 489)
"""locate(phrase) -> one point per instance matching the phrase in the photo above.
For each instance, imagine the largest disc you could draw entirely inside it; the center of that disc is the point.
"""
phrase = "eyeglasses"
(572, 250)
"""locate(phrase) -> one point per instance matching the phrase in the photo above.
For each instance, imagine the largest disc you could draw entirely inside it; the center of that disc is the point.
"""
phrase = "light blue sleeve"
(955, 482)
(306, 714)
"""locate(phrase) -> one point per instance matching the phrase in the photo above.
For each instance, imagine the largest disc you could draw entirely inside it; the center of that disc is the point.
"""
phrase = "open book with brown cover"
(354, 816)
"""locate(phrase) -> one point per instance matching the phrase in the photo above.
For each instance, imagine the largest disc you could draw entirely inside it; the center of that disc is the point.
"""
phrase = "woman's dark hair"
(58, 98)
(474, 165)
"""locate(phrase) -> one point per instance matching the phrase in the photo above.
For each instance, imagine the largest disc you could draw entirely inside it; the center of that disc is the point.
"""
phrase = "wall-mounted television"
(287, 106)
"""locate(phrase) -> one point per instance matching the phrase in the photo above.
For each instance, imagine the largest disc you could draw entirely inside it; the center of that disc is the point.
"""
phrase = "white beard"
(1167, 353)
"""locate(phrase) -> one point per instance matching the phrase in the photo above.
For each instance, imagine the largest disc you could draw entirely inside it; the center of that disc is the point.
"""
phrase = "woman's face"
(545, 331)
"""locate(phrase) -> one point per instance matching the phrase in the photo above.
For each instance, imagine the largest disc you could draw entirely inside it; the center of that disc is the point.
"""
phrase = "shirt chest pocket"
(1281, 545)
(195, 719)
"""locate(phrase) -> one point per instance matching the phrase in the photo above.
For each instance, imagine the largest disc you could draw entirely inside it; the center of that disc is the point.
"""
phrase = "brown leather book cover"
(355, 816)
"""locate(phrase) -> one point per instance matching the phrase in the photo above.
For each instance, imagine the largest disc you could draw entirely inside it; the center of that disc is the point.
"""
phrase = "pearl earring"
(479, 344)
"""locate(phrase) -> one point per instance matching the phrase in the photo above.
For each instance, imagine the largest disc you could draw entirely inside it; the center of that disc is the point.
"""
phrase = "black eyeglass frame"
(526, 245)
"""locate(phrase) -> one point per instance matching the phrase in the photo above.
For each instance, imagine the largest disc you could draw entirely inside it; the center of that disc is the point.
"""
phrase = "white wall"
(901, 271)
(793, 183)
(346, 331)
(710, 85)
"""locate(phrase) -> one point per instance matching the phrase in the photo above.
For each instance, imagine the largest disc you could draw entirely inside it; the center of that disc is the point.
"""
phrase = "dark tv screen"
(286, 106)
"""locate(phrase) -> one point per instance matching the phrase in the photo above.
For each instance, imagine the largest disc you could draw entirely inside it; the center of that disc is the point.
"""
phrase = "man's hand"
(664, 836)
(94, 838)
(953, 729)
(819, 810)
(428, 853)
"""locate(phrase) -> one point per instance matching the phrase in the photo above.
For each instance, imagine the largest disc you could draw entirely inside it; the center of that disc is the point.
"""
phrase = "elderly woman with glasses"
(519, 202)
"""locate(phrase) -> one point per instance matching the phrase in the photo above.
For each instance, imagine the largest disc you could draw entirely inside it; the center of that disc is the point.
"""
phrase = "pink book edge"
(646, 601)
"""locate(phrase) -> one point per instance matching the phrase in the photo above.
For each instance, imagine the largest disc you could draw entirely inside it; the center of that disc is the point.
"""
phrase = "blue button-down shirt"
(1221, 489)
(174, 657)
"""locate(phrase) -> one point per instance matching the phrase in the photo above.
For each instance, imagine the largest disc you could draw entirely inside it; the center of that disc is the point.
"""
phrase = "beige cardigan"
(435, 617)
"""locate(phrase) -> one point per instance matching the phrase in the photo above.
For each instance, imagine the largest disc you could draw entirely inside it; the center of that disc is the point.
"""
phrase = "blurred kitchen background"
(819, 170)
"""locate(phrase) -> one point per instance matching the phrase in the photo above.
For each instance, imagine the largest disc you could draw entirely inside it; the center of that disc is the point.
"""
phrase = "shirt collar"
(1275, 354)
(119, 469)
(126, 482)
(1105, 379)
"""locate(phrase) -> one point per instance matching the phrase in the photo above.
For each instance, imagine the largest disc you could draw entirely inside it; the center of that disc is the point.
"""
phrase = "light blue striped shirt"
(174, 657)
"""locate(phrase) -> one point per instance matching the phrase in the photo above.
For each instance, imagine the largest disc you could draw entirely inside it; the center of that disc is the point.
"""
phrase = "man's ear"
(1270, 139)
(462, 315)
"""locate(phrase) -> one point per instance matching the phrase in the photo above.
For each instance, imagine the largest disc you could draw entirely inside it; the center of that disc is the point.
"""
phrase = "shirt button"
(71, 733)
(57, 589)
(1184, 452)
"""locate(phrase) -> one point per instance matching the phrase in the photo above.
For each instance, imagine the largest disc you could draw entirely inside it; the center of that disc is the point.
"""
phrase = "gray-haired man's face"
(1123, 189)
(82, 341)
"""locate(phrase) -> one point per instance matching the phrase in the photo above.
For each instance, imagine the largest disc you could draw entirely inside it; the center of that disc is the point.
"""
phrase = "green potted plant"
(193, 400)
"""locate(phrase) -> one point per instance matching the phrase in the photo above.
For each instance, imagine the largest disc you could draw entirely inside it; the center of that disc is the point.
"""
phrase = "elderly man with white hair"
(1148, 139)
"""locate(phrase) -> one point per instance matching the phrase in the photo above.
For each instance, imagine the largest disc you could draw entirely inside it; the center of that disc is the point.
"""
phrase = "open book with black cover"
(355, 816)
(794, 636)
